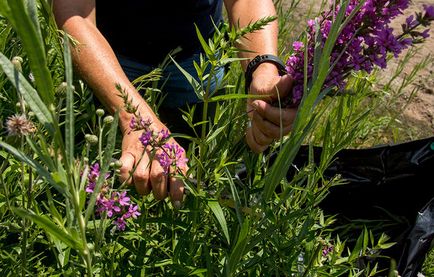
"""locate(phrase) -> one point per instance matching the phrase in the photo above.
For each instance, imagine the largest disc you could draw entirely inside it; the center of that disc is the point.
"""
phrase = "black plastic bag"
(418, 242)
(384, 182)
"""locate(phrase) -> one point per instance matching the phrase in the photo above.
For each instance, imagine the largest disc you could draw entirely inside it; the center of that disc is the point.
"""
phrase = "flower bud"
(52, 108)
(91, 139)
(61, 89)
(31, 114)
(108, 119)
(100, 112)
(118, 164)
(17, 61)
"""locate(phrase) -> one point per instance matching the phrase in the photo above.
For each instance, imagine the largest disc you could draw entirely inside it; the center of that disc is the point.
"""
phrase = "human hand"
(267, 122)
(142, 168)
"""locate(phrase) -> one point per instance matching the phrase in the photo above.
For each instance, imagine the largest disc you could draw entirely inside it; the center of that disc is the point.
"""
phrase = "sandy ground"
(418, 112)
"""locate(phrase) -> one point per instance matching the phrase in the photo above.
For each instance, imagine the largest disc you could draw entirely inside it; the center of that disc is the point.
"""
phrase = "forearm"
(243, 12)
(98, 66)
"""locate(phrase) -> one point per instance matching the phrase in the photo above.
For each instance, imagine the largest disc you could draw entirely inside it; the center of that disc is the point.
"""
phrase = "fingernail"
(177, 204)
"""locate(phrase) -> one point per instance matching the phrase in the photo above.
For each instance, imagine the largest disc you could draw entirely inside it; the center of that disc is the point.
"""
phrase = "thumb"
(284, 87)
(127, 160)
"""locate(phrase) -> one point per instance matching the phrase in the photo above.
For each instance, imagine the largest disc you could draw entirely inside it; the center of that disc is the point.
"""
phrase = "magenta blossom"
(365, 42)
(113, 204)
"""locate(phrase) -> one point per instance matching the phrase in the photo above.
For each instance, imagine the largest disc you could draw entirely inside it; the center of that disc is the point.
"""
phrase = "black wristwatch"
(253, 64)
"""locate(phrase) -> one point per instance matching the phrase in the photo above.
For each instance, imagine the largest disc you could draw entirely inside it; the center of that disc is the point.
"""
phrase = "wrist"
(263, 65)
(265, 68)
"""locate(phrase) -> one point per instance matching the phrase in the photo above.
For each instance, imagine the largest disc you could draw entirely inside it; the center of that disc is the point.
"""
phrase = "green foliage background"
(261, 224)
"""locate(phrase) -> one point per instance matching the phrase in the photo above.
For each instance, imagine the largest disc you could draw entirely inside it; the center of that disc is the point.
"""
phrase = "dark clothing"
(147, 30)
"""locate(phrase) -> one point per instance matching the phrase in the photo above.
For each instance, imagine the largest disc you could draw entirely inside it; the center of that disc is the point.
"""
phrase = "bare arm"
(94, 58)
(99, 67)
(268, 122)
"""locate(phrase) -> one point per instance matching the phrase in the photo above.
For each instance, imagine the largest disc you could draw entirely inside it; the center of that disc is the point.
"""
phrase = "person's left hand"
(268, 122)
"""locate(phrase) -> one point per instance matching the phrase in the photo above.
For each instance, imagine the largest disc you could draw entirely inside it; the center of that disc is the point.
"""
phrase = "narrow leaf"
(218, 212)
(69, 120)
(50, 228)
(34, 47)
(39, 168)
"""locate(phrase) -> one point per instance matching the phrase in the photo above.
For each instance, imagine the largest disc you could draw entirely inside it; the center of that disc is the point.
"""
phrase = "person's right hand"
(147, 173)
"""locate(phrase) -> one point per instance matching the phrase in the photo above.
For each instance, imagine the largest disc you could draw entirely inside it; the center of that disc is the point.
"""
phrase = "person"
(116, 39)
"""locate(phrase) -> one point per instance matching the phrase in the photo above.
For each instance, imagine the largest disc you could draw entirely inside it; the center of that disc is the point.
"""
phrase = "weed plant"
(242, 214)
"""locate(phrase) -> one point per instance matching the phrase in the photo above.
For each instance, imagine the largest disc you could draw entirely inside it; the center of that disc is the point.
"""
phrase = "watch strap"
(254, 63)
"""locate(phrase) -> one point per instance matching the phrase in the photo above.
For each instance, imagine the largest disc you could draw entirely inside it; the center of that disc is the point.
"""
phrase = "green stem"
(82, 225)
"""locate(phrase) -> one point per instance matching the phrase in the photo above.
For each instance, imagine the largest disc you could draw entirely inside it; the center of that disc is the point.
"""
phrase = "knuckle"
(159, 195)
(156, 176)
(141, 176)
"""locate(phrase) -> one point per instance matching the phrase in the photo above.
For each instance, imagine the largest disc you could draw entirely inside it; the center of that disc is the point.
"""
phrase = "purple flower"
(120, 223)
(146, 138)
(114, 204)
(172, 154)
(298, 45)
(92, 177)
(326, 250)
(123, 199)
(132, 212)
(365, 42)
(138, 123)
(429, 11)
(164, 134)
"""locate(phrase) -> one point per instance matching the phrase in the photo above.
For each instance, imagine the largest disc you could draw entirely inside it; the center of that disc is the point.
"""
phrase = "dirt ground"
(418, 113)
(420, 110)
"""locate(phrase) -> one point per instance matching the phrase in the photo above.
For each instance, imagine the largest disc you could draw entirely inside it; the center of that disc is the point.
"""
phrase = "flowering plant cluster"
(168, 153)
(113, 204)
(365, 42)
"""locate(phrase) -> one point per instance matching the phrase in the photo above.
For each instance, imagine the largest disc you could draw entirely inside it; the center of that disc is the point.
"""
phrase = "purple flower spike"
(365, 42)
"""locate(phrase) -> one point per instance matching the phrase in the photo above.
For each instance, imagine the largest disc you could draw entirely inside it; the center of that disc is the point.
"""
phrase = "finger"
(275, 115)
(253, 144)
(269, 129)
(260, 137)
(141, 175)
(158, 180)
(177, 185)
(127, 160)
(283, 87)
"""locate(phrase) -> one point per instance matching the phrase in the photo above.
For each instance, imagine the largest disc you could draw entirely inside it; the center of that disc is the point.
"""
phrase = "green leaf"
(39, 168)
(215, 207)
(50, 228)
(108, 154)
(358, 248)
(193, 82)
(69, 118)
(235, 196)
(239, 250)
(236, 96)
(284, 160)
(203, 43)
(34, 47)
(29, 93)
